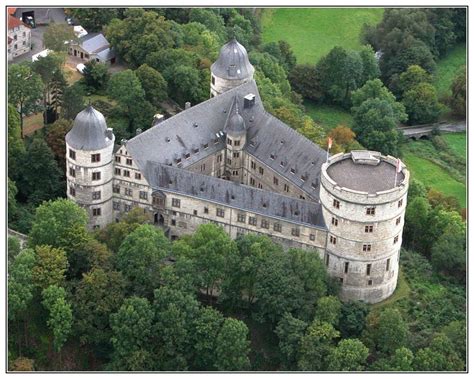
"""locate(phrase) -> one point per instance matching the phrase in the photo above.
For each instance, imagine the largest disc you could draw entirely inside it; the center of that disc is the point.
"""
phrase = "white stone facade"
(19, 40)
(363, 245)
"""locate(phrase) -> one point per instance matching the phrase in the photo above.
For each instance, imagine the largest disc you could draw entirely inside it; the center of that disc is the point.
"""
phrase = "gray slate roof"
(235, 125)
(106, 54)
(197, 126)
(94, 43)
(89, 131)
(364, 177)
(233, 62)
(162, 177)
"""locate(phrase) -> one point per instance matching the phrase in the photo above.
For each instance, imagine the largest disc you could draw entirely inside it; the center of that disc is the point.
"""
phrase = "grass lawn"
(72, 75)
(434, 176)
(448, 67)
(327, 116)
(457, 143)
(32, 123)
(313, 32)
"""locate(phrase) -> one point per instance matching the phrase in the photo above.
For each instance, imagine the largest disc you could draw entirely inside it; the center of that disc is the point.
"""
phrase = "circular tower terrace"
(363, 200)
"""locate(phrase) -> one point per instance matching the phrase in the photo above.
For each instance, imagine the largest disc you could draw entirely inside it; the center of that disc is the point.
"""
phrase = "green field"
(448, 67)
(432, 175)
(327, 116)
(313, 32)
(457, 143)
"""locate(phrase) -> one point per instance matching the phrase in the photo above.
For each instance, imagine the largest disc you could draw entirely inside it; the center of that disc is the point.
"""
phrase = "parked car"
(80, 67)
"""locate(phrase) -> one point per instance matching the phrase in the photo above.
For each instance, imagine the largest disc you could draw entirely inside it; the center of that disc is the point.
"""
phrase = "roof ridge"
(197, 106)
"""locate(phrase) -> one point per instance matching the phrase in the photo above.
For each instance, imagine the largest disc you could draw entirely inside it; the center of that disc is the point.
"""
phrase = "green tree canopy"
(349, 355)
(94, 19)
(389, 332)
(457, 101)
(449, 252)
(16, 148)
(153, 84)
(73, 102)
(58, 36)
(328, 310)
(421, 104)
(290, 330)
(96, 75)
(20, 283)
(50, 267)
(232, 346)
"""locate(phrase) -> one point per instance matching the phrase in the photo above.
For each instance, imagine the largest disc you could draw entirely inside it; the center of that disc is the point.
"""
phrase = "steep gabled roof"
(14, 22)
(94, 42)
(246, 198)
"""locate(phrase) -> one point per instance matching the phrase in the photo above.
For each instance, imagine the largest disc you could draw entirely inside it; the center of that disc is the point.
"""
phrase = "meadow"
(447, 68)
(313, 32)
(327, 116)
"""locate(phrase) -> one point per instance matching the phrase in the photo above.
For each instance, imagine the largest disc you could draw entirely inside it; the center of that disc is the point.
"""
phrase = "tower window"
(387, 265)
(312, 237)
(229, 141)
(116, 189)
(72, 172)
(260, 170)
(346, 267)
(96, 175)
(129, 161)
(275, 180)
(395, 240)
(143, 195)
(96, 212)
(72, 191)
(295, 232)
(116, 205)
(370, 211)
(369, 282)
(126, 173)
(128, 192)
(236, 154)
(72, 154)
(367, 270)
(176, 203)
(219, 212)
(332, 240)
(277, 227)
(366, 247)
(237, 143)
(117, 159)
(118, 171)
(95, 158)
(397, 222)
(400, 203)
(334, 221)
(138, 176)
(96, 195)
(369, 228)
(253, 165)
(336, 204)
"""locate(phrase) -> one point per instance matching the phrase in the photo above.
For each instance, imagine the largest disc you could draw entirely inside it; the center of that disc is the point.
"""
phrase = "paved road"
(456, 126)
(42, 15)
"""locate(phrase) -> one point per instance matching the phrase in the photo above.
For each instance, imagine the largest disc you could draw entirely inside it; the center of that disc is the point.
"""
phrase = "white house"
(19, 38)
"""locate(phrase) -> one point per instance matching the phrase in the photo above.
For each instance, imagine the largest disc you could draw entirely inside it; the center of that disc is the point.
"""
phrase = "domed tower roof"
(233, 62)
(89, 131)
(235, 125)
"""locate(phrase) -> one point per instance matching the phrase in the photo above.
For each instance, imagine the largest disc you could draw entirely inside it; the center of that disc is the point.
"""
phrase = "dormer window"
(178, 160)
(206, 145)
(187, 155)
(292, 171)
(272, 156)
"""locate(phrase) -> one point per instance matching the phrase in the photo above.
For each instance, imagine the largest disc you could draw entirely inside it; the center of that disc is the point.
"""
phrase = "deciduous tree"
(349, 355)
(57, 37)
(153, 84)
(50, 267)
(232, 346)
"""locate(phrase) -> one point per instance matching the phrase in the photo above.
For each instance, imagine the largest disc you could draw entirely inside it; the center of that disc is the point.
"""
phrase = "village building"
(230, 162)
(18, 38)
(92, 46)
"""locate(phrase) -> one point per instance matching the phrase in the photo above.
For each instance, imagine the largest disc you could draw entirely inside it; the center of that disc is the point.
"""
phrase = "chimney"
(123, 141)
(138, 131)
(109, 133)
(249, 100)
(157, 118)
(187, 105)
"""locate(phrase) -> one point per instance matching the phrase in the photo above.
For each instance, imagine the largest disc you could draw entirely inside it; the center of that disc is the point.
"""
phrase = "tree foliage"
(96, 75)
(58, 36)
(232, 346)
(50, 267)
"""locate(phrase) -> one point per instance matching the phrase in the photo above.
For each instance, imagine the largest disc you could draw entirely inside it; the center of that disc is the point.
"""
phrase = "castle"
(229, 162)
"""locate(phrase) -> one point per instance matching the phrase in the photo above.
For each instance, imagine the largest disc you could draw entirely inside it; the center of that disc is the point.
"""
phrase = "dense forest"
(127, 298)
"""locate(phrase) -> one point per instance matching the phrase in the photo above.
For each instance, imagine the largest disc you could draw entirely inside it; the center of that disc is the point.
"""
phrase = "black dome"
(233, 62)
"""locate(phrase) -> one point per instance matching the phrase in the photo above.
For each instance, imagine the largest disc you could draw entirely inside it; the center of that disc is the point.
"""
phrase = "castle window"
(369, 228)
(286, 188)
(400, 203)
(236, 154)
(229, 141)
(173, 222)
(143, 195)
(203, 167)
(117, 159)
(213, 79)
(253, 165)
(229, 161)
(96, 195)
(206, 210)
(370, 211)
(72, 191)
(395, 240)
(96, 212)
(157, 200)
(369, 282)
(128, 192)
(367, 270)
(260, 170)
(126, 173)
(253, 221)
(95, 158)
(272, 156)
(96, 175)
(237, 143)
(118, 171)
(116, 205)
(303, 178)
(176, 202)
(295, 232)
(346, 267)
(275, 180)
(235, 173)
(219, 212)
(336, 203)
(341, 280)
(206, 145)
(397, 222)
(292, 170)
(219, 158)
(277, 227)
(72, 154)
(366, 247)
(334, 221)
(127, 207)
(178, 160)
(302, 197)
(252, 182)
(116, 189)
(260, 185)
(387, 265)
(195, 212)
(187, 155)
(282, 164)
(326, 259)
(313, 185)
(241, 217)
(138, 176)
(72, 172)
(332, 240)
(129, 161)
(312, 237)
(265, 224)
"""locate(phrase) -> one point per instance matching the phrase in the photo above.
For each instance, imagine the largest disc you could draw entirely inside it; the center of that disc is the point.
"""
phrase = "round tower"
(363, 200)
(236, 137)
(89, 166)
(231, 69)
